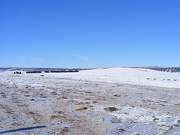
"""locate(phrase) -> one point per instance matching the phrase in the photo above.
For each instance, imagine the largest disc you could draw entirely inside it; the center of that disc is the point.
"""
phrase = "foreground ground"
(66, 106)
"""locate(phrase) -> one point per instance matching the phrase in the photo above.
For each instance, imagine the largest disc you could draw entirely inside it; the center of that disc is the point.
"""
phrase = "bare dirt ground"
(76, 107)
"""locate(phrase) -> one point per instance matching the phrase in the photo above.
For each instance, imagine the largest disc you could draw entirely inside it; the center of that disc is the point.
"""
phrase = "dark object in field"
(111, 109)
(18, 72)
(61, 71)
(47, 71)
(21, 129)
(64, 130)
(81, 109)
(31, 72)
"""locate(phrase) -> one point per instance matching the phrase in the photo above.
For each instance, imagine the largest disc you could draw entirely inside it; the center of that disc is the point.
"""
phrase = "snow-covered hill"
(135, 76)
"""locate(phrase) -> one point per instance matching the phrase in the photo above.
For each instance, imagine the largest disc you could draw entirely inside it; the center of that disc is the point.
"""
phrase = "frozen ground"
(116, 101)
(135, 76)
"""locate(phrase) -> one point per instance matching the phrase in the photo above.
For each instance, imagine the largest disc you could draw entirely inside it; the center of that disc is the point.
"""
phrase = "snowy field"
(114, 101)
(134, 76)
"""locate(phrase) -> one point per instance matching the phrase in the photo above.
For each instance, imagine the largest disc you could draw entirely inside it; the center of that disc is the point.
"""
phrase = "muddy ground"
(76, 107)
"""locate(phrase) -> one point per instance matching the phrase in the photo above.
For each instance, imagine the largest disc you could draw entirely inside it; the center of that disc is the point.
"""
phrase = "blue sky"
(89, 33)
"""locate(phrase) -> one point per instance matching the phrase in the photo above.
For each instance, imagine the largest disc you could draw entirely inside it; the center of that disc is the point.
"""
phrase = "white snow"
(32, 99)
(136, 76)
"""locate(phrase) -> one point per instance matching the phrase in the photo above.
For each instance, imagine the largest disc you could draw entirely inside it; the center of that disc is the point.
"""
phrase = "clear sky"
(89, 33)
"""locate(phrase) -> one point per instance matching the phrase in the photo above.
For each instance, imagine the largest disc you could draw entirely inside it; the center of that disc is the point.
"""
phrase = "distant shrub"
(31, 72)
(17, 72)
